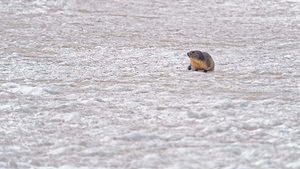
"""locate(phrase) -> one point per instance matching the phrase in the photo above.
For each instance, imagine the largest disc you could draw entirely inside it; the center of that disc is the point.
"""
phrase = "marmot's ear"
(201, 56)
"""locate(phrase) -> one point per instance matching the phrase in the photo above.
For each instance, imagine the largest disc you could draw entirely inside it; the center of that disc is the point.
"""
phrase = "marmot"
(200, 61)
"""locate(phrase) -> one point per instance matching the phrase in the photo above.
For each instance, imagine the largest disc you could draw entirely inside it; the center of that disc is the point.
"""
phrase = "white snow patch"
(58, 151)
(11, 85)
(31, 90)
(198, 115)
(66, 117)
(139, 136)
(28, 90)
(98, 99)
(50, 91)
(294, 165)
(5, 107)
(92, 151)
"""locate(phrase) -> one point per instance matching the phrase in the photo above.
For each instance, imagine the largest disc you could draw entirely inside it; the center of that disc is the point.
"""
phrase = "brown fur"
(200, 61)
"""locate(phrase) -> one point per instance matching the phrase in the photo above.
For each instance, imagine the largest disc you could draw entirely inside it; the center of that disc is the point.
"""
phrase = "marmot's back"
(201, 61)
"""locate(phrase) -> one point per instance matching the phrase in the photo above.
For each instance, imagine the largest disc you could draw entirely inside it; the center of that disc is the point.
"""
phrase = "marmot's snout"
(188, 54)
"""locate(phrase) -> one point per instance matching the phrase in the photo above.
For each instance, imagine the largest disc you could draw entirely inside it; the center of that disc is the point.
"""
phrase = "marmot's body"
(201, 61)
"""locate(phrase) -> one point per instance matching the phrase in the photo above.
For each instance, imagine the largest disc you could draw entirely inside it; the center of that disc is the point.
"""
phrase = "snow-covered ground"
(89, 84)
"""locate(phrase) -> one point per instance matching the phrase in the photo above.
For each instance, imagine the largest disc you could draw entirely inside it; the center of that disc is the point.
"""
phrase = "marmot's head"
(196, 54)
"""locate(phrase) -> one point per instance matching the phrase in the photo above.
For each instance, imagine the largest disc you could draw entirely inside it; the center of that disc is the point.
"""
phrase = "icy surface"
(104, 84)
